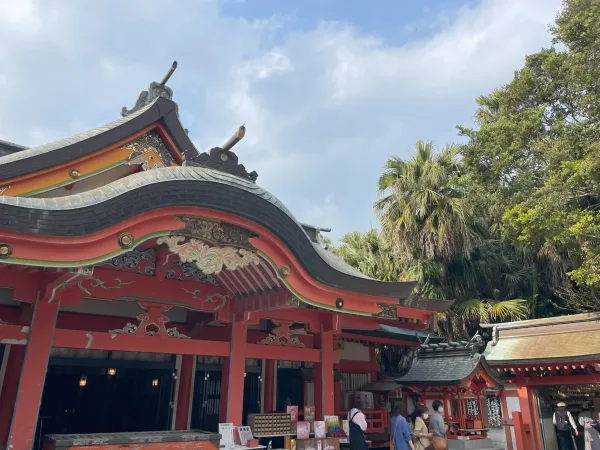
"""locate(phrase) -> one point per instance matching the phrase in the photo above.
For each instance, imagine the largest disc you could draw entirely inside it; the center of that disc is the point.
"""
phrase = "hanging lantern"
(83, 381)
(155, 382)
(112, 371)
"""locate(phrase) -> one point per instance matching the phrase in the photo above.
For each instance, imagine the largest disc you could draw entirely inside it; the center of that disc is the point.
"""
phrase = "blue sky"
(328, 89)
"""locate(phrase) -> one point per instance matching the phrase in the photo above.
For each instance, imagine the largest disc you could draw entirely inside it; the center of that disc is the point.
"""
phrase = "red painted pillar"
(318, 390)
(270, 374)
(526, 417)
(237, 368)
(33, 375)
(327, 361)
(224, 390)
(519, 431)
(337, 398)
(9, 389)
(186, 380)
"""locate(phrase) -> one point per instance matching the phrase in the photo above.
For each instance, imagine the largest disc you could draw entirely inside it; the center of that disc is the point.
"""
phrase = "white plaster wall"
(512, 403)
(498, 437)
(550, 442)
(354, 351)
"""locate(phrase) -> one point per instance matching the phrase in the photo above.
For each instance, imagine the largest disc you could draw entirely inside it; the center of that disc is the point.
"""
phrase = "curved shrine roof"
(212, 180)
(447, 363)
(91, 211)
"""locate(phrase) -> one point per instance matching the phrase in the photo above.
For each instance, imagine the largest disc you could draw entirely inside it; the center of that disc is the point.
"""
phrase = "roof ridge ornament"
(154, 91)
(222, 158)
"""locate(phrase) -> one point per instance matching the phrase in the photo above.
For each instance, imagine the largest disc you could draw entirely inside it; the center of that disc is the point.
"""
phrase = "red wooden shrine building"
(124, 250)
(543, 362)
(458, 376)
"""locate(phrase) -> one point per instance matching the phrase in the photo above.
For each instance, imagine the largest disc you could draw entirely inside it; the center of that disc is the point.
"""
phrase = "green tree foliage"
(507, 224)
(537, 150)
(431, 234)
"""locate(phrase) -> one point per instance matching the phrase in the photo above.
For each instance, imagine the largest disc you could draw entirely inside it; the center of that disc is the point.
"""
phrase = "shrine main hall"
(145, 285)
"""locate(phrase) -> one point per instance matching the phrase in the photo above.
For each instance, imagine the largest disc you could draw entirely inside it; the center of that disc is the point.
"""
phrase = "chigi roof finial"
(154, 91)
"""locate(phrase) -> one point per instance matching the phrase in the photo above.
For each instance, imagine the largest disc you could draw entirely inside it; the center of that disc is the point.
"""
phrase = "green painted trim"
(85, 262)
(307, 300)
(66, 183)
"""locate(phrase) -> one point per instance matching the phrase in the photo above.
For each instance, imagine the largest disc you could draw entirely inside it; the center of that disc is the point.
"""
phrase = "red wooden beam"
(14, 334)
(25, 284)
(261, 351)
(565, 379)
(380, 340)
(310, 317)
(10, 315)
(107, 284)
(347, 365)
(151, 344)
(104, 242)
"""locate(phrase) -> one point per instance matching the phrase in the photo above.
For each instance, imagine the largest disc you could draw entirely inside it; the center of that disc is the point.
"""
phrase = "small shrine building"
(543, 362)
(458, 376)
(146, 285)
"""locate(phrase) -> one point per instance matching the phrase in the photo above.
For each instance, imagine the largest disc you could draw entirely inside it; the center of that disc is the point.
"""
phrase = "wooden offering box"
(268, 425)
(152, 440)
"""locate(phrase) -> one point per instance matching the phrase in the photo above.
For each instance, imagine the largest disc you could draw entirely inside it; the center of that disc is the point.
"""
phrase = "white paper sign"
(226, 432)
(245, 435)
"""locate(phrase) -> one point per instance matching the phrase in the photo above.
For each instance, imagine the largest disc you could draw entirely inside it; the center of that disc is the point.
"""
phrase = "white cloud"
(324, 107)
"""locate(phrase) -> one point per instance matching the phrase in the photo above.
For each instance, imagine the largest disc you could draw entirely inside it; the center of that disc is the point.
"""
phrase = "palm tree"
(431, 227)
(423, 213)
(489, 108)
(365, 252)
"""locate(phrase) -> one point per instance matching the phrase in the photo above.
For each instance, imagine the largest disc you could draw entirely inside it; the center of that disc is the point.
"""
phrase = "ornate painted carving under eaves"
(217, 233)
(150, 152)
(282, 335)
(142, 262)
(210, 260)
(388, 311)
(216, 300)
(189, 272)
(151, 323)
(93, 282)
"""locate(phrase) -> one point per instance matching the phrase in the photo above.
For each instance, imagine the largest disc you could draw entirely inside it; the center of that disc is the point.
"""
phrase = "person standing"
(438, 427)
(590, 434)
(563, 421)
(400, 433)
(358, 425)
(420, 432)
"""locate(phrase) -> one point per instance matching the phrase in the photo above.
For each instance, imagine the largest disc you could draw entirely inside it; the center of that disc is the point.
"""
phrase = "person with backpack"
(563, 421)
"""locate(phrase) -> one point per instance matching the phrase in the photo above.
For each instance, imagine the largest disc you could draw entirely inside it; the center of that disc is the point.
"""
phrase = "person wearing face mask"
(422, 436)
(438, 427)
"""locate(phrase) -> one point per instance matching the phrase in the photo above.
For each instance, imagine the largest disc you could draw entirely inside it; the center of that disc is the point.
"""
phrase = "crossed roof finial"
(154, 91)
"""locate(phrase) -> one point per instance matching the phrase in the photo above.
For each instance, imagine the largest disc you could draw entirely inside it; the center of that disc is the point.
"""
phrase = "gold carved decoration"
(5, 250)
(151, 323)
(4, 188)
(284, 271)
(116, 283)
(218, 300)
(74, 173)
(149, 151)
(388, 311)
(125, 240)
(217, 233)
(210, 260)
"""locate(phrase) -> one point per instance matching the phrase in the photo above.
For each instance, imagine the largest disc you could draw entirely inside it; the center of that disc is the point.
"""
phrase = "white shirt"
(571, 421)
(359, 419)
